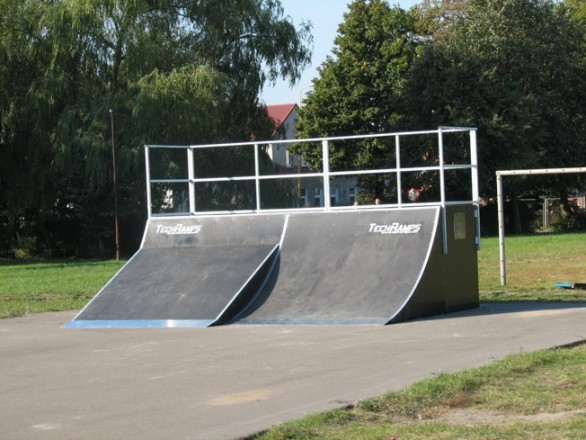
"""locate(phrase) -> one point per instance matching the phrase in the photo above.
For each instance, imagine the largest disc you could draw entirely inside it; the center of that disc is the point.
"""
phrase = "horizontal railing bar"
(308, 140)
(317, 174)
(413, 205)
(541, 171)
(169, 180)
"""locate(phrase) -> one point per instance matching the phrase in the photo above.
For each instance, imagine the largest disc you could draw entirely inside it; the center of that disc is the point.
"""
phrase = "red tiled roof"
(280, 112)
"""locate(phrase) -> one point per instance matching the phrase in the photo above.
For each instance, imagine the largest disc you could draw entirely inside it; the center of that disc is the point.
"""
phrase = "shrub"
(573, 222)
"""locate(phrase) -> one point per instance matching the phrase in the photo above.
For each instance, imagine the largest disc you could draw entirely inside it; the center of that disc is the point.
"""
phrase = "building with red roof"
(309, 189)
(285, 117)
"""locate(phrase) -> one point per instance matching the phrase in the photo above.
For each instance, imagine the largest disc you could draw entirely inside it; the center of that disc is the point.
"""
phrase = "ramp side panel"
(450, 281)
(346, 267)
(177, 284)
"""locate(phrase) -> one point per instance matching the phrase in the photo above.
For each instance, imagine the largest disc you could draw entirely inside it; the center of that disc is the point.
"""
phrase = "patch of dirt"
(468, 417)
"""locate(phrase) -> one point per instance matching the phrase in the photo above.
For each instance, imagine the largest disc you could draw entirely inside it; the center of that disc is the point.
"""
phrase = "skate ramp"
(188, 273)
(353, 267)
(346, 268)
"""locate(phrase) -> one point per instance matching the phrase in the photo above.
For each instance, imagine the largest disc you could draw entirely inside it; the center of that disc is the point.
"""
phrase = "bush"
(489, 218)
(573, 222)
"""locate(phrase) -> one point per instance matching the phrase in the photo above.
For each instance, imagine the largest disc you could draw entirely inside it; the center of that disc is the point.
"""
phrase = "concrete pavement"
(229, 382)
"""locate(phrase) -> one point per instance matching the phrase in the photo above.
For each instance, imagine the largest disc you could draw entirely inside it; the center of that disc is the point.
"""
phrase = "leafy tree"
(435, 16)
(515, 69)
(358, 90)
(170, 71)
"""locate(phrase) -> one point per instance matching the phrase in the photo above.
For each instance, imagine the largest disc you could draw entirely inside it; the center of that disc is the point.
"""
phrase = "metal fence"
(174, 193)
(181, 175)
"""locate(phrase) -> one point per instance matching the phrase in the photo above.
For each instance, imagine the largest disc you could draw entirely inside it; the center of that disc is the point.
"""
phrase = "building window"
(317, 198)
(303, 198)
(334, 197)
(352, 195)
(289, 159)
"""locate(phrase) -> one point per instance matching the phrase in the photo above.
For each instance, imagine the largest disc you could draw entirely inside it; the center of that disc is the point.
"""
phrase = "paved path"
(228, 382)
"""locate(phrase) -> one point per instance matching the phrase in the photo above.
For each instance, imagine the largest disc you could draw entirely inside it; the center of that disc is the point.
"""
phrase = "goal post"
(501, 209)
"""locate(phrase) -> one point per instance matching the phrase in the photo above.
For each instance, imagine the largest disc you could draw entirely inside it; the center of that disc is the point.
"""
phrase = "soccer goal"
(500, 201)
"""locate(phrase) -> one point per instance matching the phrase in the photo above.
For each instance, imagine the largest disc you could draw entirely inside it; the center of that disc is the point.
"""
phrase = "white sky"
(326, 16)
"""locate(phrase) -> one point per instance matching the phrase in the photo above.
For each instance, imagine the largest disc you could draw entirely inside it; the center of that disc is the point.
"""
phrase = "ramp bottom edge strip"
(312, 321)
(140, 323)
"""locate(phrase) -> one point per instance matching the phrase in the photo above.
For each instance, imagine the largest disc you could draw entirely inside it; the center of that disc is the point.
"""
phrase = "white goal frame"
(501, 211)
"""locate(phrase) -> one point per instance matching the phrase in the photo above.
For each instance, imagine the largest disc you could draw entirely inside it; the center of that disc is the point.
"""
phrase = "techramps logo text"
(394, 228)
(178, 229)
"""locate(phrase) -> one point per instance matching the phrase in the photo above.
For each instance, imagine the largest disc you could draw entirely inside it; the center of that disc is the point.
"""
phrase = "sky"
(326, 16)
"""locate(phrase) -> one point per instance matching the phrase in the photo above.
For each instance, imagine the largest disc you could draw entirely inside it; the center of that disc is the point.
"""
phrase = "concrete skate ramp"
(188, 273)
(346, 267)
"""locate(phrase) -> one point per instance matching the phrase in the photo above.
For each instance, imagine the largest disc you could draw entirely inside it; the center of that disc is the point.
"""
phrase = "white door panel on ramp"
(356, 267)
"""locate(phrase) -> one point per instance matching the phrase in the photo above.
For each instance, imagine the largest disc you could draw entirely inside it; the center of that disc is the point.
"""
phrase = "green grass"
(539, 395)
(534, 264)
(42, 286)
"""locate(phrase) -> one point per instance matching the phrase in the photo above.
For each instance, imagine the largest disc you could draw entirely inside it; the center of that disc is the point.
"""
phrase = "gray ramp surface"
(177, 284)
(189, 272)
(357, 267)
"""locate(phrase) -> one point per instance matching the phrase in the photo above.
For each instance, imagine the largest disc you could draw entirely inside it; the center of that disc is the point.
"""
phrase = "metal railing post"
(148, 181)
(256, 178)
(326, 173)
(191, 177)
(474, 178)
(443, 192)
(398, 173)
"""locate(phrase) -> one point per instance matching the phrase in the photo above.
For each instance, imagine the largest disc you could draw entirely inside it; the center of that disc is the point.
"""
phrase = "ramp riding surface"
(189, 273)
(356, 267)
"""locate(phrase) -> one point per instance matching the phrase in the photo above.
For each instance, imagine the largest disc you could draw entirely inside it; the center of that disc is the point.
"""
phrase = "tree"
(171, 71)
(515, 69)
(359, 88)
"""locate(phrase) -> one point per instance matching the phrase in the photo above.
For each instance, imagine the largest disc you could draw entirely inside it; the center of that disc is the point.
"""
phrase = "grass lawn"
(43, 286)
(534, 264)
(539, 395)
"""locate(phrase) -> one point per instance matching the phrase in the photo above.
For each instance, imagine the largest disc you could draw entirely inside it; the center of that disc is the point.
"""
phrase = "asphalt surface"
(229, 382)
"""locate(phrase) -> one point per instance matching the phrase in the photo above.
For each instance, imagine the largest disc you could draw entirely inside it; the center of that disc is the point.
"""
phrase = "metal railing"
(326, 174)
(190, 179)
